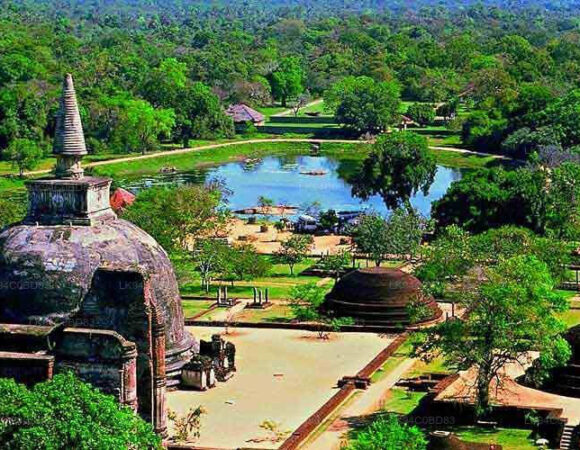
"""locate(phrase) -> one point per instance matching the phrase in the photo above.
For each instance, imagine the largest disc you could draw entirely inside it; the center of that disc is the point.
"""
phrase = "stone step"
(566, 439)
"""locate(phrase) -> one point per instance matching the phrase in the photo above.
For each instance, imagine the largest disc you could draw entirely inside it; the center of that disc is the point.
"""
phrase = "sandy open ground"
(269, 242)
(283, 375)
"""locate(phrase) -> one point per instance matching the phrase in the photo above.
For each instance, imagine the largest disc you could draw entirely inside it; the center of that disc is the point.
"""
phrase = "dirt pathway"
(290, 111)
(254, 141)
(365, 403)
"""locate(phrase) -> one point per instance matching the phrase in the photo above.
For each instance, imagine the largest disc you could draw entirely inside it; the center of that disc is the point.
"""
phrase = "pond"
(284, 180)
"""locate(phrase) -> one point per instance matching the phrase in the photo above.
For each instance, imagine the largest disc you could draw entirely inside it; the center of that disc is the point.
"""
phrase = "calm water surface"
(282, 179)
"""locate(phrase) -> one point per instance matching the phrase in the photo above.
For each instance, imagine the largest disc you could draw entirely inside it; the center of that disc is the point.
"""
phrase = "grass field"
(304, 125)
(271, 110)
(278, 312)
(195, 159)
(402, 353)
(315, 108)
(402, 401)
(510, 439)
(571, 317)
(437, 366)
(279, 283)
(193, 307)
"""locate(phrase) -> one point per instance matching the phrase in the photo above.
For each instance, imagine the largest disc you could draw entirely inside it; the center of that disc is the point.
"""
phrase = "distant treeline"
(146, 70)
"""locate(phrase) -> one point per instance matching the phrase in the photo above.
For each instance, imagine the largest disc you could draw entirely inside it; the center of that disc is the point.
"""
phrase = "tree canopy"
(364, 105)
(511, 313)
(65, 413)
(399, 166)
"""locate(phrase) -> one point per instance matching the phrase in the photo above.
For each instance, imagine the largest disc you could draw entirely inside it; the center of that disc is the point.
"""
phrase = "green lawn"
(278, 312)
(6, 167)
(571, 317)
(304, 129)
(464, 160)
(271, 110)
(510, 439)
(402, 353)
(195, 159)
(13, 185)
(49, 162)
(420, 368)
(316, 108)
(279, 283)
(404, 106)
(193, 307)
(402, 401)
(453, 140)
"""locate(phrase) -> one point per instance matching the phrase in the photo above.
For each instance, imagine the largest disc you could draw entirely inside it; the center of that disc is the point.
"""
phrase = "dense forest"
(165, 70)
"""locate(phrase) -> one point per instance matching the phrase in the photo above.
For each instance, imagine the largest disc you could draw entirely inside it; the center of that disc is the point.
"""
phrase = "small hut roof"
(407, 120)
(69, 138)
(505, 392)
(243, 113)
(121, 199)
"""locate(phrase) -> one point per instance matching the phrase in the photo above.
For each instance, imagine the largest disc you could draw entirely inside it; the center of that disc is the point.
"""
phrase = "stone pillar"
(50, 369)
(159, 415)
(129, 377)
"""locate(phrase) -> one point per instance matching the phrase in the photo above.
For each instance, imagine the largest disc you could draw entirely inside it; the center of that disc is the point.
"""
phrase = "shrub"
(66, 413)
(387, 433)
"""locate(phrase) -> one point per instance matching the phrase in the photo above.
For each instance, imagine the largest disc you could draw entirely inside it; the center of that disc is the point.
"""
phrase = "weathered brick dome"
(379, 296)
(46, 273)
(72, 261)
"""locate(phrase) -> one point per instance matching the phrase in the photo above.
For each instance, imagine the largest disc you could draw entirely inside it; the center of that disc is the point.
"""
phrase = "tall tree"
(175, 217)
(244, 263)
(512, 313)
(397, 236)
(388, 433)
(210, 258)
(364, 105)
(422, 113)
(294, 250)
(200, 115)
(140, 126)
(23, 154)
(399, 166)
(287, 80)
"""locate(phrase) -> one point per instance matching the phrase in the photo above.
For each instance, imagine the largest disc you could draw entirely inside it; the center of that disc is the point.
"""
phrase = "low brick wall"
(171, 446)
(307, 427)
(316, 419)
(191, 322)
(302, 120)
(381, 358)
(322, 414)
(203, 313)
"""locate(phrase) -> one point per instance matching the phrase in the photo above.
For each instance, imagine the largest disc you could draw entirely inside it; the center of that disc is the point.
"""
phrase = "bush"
(66, 413)
(422, 113)
(387, 433)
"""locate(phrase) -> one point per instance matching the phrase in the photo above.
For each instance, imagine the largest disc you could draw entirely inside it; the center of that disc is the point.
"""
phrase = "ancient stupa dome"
(73, 261)
(379, 296)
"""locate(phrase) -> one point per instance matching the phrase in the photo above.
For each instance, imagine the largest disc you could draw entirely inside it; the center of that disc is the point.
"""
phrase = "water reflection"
(283, 179)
